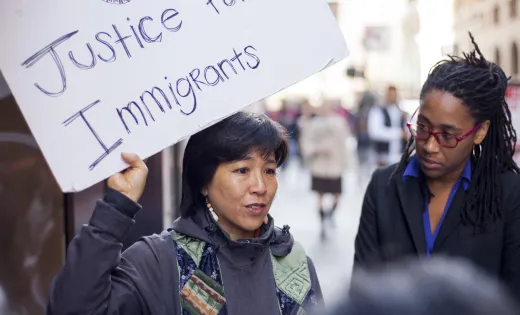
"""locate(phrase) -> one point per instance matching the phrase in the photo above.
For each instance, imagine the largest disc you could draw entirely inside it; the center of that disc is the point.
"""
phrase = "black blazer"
(391, 228)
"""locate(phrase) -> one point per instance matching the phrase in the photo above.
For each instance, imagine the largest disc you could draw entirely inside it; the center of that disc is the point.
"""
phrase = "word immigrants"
(181, 94)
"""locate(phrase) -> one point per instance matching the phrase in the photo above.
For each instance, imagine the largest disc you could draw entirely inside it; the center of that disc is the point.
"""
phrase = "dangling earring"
(477, 156)
(211, 211)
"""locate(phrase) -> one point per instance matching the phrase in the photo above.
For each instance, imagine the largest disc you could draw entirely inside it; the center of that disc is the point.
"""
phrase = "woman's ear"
(481, 133)
(204, 191)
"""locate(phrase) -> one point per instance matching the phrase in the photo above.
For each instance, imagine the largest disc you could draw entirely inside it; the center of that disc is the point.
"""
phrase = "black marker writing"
(145, 35)
(255, 57)
(183, 92)
(210, 2)
(228, 3)
(211, 69)
(93, 59)
(49, 49)
(117, 40)
(152, 95)
(189, 91)
(229, 63)
(128, 109)
(194, 75)
(237, 57)
(81, 114)
(167, 15)
(173, 93)
(135, 34)
(121, 40)
(117, 1)
(104, 42)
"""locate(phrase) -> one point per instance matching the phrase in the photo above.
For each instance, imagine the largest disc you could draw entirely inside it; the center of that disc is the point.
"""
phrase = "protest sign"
(4, 89)
(95, 78)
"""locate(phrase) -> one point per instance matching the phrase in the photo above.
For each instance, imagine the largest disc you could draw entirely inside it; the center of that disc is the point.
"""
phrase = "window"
(496, 14)
(514, 59)
(497, 56)
(512, 8)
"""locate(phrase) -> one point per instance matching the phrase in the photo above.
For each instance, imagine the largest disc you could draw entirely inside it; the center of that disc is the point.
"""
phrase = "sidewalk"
(296, 206)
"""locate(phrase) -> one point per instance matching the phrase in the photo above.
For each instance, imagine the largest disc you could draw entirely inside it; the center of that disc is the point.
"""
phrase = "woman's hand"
(131, 181)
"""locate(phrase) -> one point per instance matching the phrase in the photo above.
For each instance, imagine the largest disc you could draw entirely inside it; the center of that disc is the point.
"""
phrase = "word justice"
(136, 37)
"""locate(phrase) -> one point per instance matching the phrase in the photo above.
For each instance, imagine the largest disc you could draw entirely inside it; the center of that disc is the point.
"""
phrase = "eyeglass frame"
(436, 134)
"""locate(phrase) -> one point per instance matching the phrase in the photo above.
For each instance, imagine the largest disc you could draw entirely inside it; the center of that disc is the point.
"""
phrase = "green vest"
(203, 293)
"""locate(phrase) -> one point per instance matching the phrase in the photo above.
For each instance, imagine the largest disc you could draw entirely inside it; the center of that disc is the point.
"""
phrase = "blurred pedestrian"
(324, 146)
(386, 129)
(307, 114)
(288, 118)
(364, 150)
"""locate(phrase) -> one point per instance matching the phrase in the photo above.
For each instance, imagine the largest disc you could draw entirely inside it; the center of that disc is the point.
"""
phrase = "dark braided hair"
(481, 85)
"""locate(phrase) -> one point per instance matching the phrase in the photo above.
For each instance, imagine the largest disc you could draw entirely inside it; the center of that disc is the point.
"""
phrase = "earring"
(477, 156)
(211, 211)
(266, 220)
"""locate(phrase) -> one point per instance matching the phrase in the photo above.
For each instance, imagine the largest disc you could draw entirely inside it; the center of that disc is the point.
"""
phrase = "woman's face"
(241, 193)
(442, 112)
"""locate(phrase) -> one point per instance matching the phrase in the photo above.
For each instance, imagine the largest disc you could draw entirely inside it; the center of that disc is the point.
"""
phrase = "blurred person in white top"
(386, 129)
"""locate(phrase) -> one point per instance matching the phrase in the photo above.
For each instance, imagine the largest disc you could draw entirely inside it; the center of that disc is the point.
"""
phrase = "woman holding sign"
(458, 194)
(223, 256)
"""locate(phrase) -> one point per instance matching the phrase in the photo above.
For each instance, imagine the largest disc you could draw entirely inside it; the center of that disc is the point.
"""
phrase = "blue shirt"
(413, 170)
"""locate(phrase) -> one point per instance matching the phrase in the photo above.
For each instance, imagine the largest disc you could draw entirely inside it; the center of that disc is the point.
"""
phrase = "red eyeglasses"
(423, 133)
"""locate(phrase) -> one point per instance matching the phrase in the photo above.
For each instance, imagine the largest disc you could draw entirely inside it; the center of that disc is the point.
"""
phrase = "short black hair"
(481, 86)
(439, 285)
(229, 140)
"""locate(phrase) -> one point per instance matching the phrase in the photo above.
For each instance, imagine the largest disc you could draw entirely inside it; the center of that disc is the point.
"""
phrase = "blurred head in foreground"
(437, 286)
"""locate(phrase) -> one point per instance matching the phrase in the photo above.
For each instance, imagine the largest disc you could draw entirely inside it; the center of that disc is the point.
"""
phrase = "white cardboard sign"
(95, 78)
(4, 89)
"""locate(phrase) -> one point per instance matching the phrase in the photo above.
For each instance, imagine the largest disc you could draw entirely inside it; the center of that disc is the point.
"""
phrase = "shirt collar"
(413, 170)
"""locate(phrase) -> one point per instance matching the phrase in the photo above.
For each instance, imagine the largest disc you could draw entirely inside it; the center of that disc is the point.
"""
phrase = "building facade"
(495, 25)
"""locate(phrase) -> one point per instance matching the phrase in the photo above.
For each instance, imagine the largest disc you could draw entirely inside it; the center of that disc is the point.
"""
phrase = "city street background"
(390, 42)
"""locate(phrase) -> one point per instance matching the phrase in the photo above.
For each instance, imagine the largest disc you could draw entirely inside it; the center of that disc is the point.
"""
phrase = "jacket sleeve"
(367, 248)
(97, 278)
(510, 271)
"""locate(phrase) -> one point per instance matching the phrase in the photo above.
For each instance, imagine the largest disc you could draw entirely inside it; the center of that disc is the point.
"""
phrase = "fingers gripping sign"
(131, 181)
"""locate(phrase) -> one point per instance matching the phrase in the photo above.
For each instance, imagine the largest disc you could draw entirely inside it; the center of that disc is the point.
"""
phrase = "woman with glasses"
(455, 191)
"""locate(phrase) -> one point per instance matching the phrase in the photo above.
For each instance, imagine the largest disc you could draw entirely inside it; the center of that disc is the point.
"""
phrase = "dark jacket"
(391, 228)
(144, 280)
